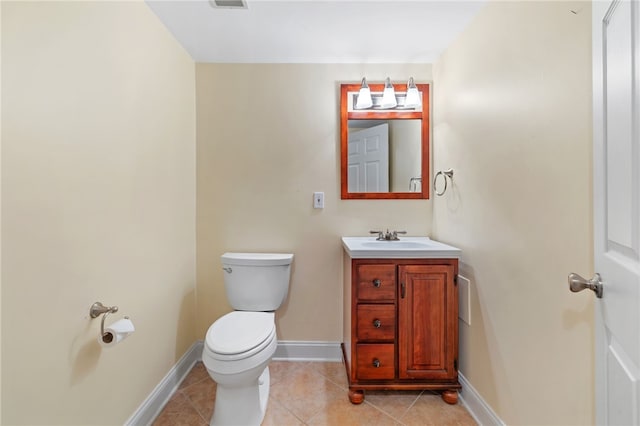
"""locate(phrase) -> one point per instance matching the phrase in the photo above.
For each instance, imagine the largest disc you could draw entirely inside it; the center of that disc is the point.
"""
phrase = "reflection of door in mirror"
(368, 152)
(369, 159)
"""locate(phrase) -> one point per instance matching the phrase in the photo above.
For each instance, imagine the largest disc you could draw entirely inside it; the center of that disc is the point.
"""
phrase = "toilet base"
(252, 399)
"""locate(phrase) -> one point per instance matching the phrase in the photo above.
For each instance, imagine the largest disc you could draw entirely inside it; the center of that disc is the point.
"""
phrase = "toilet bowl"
(239, 346)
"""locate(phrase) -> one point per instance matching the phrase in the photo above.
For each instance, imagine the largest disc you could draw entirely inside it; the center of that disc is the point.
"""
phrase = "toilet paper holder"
(98, 309)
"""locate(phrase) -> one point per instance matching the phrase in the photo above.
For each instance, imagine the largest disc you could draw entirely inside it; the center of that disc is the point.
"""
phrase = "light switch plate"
(318, 200)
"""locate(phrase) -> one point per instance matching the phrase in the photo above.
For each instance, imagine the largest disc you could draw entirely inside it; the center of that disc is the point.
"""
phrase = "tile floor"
(314, 393)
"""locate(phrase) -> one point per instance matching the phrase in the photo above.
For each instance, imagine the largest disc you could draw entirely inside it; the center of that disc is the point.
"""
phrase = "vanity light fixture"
(412, 99)
(364, 96)
(388, 95)
(384, 97)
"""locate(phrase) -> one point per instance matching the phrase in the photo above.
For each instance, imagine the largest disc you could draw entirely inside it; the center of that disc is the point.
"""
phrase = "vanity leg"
(450, 396)
(356, 396)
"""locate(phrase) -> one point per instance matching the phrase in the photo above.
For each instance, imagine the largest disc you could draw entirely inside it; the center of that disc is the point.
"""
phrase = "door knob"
(577, 283)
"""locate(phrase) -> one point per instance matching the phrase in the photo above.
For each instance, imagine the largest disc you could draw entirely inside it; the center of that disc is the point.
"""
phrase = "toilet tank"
(256, 281)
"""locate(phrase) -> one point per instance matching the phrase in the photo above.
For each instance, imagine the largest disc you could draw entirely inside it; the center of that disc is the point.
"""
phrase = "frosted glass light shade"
(364, 96)
(413, 96)
(389, 95)
(364, 99)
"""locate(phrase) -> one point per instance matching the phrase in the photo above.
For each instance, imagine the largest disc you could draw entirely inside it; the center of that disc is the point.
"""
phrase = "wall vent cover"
(229, 4)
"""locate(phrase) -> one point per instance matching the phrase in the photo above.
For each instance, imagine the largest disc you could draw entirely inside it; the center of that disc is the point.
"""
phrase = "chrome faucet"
(387, 236)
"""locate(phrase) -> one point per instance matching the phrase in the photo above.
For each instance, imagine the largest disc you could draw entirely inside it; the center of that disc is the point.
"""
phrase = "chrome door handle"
(577, 283)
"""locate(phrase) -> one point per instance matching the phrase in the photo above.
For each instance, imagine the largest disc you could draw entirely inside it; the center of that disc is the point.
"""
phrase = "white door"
(368, 163)
(616, 98)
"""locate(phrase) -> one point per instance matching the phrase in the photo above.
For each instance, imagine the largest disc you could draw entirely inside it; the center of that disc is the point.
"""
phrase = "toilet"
(239, 346)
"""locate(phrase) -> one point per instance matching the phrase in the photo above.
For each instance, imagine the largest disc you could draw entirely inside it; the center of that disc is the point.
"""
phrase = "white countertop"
(405, 248)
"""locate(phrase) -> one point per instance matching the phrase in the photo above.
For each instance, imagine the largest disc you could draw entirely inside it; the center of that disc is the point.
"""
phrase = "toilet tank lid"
(257, 259)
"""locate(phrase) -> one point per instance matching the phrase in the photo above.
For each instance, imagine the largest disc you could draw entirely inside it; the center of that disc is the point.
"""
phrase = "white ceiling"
(314, 31)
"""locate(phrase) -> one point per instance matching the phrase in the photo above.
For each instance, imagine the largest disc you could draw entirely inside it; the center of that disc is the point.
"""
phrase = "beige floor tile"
(304, 392)
(344, 413)
(202, 396)
(179, 411)
(197, 373)
(394, 403)
(278, 370)
(430, 409)
(314, 394)
(334, 371)
(277, 415)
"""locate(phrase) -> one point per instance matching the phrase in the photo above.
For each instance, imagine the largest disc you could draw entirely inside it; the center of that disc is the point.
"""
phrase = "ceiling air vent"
(229, 4)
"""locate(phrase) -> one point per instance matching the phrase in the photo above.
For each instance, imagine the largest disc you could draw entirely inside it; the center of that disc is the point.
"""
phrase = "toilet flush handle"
(228, 270)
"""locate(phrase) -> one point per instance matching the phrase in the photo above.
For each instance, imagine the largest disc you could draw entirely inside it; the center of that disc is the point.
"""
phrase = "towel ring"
(445, 174)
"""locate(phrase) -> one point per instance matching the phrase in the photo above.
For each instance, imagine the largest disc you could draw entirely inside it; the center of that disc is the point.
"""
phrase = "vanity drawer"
(376, 322)
(375, 361)
(376, 282)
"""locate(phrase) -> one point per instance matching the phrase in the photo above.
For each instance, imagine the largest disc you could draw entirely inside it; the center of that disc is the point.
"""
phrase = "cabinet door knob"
(377, 282)
(376, 362)
(377, 323)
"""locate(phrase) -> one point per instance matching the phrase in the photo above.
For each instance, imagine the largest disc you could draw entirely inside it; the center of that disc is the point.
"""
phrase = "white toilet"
(239, 346)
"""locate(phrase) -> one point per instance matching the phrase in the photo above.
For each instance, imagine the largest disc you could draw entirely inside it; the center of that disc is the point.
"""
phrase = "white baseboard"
(155, 402)
(477, 407)
(290, 350)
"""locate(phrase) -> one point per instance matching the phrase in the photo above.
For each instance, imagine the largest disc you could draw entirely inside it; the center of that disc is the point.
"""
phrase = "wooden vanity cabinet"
(401, 325)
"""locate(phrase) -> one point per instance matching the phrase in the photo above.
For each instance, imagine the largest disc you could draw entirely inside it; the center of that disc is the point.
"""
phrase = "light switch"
(318, 200)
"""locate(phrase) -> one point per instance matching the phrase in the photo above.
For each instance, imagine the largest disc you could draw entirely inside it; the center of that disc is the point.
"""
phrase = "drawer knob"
(377, 283)
(376, 362)
(377, 323)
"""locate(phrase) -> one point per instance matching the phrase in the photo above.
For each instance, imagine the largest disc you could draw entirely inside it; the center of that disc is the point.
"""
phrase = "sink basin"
(395, 245)
(405, 248)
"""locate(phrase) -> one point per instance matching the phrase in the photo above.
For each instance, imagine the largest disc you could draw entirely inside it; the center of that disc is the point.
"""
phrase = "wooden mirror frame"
(346, 115)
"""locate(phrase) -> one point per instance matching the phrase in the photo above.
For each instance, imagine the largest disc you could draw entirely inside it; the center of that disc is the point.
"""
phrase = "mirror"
(384, 153)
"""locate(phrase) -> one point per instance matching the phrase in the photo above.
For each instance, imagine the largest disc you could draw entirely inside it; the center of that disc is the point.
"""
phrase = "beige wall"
(512, 118)
(268, 137)
(405, 158)
(98, 203)
(0, 219)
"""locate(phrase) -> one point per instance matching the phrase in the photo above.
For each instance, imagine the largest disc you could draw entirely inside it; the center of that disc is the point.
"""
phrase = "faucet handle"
(394, 236)
(380, 234)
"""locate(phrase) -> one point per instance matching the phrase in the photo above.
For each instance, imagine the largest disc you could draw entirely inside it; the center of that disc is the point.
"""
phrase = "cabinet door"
(427, 322)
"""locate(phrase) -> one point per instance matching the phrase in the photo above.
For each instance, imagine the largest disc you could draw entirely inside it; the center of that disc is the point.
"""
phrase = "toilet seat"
(240, 334)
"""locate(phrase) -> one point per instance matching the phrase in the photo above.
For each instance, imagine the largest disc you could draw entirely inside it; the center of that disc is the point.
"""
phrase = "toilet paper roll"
(116, 333)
